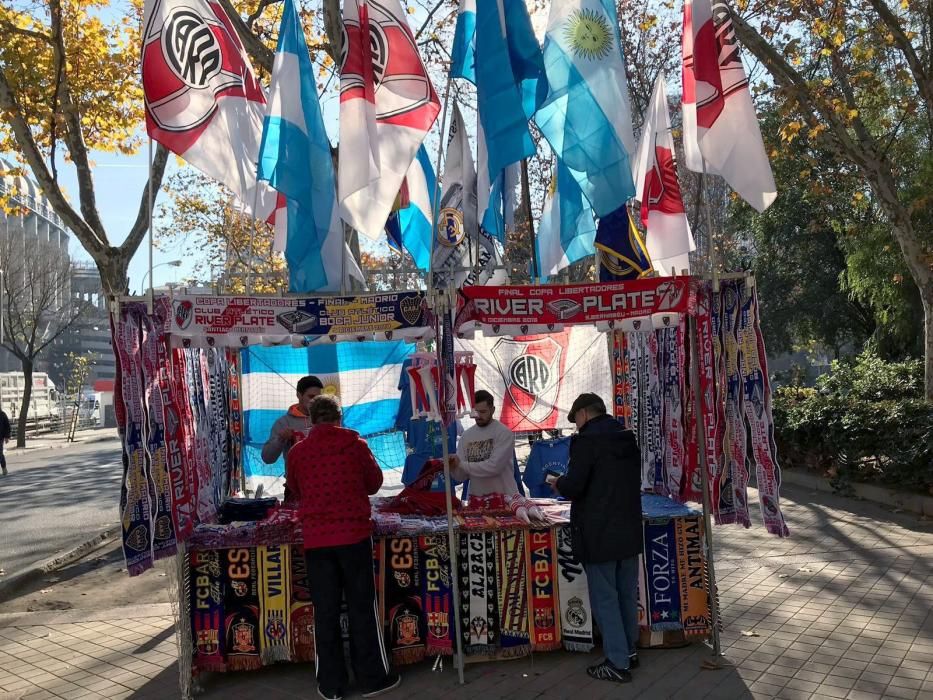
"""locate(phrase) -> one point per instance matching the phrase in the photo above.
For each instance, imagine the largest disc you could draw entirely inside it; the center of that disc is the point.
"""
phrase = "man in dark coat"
(603, 481)
(5, 433)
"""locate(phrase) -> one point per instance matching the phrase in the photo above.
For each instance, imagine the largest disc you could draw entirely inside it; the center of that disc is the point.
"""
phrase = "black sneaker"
(633, 661)
(605, 671)
(392, 681)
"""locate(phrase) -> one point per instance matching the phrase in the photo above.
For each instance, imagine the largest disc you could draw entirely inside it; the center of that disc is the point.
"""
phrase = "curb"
(58, 445)
(918, 504)
(11, 584)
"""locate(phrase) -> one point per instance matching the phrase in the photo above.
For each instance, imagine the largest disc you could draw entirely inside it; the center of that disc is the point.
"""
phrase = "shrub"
(865, 421)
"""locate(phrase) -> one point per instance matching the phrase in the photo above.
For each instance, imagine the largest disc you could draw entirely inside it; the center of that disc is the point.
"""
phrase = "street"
(54, 499)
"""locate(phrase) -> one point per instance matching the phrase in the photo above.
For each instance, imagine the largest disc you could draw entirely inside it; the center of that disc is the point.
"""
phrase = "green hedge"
(865, 421)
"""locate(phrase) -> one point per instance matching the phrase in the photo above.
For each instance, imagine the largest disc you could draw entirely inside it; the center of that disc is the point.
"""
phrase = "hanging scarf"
(694, 601)
(654, 411)
(137, 492)
(163, 530)
(670, 340)
(437, 593)
(217, 407)
(403, 601)
(734, 490)
(542, 577)
(757, 404)
(379, 575)
(622, 406)
(709, 415)
(301, 612)
(175, 458)
(274, 586)
(633, 395)
(576, 613)
(643, 622)
(181, 403)
(692, 484)
(479, 606)
(235, 420)
(204, 477)
(661, 574)
(207, 610)
(511, 567)
(242, 630)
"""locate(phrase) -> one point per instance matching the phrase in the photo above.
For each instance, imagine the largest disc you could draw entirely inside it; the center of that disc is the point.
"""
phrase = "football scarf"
(542, 577)
(694, 601)
(379, 572)
(175, 457)
(136, 493)
(643, 622)
(274, 586)
(217, 421)
(733, 492)
(654, 422)
(403, 600)
(479, 606)
(576, 614)
(207, 612)
(757, 404)
(512, 572)
(691, 488)
(163, 529)
(241, 609)
(436, 592)
(661, 579)
(298, 577)
(301, 612)
(235, 422)
(622, 404)
(185, 430)
(670, 342)
(633, 396)
(206, 500)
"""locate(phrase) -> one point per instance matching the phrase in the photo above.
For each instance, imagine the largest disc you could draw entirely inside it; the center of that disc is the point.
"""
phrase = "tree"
(857, 76)
(69, 80)
(37, 305)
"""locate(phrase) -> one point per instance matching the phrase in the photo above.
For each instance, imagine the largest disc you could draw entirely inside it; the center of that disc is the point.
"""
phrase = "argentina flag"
(364, 376)
(587, 116)
(295, 158)
(463, 54)
(414, 221)
(567, 228)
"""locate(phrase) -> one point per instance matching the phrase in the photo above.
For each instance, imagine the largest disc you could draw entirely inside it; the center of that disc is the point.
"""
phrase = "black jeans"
(334, 573)
(2, 457)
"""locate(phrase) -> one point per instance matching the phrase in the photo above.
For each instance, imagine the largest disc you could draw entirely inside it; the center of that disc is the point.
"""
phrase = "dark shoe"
(329, 696)
(633, 661)
(392, 681)
(605, 671)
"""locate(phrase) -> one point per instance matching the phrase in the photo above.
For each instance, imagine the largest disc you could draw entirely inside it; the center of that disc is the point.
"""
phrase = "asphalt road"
(55, 499)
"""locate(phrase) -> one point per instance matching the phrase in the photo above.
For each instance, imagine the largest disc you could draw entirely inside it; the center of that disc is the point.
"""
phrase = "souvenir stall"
(243, 596)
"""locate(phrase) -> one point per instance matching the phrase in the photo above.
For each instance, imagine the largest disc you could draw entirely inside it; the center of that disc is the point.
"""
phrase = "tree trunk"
(112, 267)
(24, 407)
(927, 298)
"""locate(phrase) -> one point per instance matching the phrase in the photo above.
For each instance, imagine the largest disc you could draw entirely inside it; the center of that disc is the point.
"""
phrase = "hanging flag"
(295, 158)
(496, 199)
(387, 105)
(587, 117)
(662, 207)
(415, 220)
(510, 82)
(622, 253)
(566, 231)
(394, 232)
(720, 123)
(202, 100)
(457, 231)
(463, 54)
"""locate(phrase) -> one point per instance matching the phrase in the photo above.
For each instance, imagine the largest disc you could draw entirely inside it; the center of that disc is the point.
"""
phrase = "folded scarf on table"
(542, 578)
(417, 498)
(661, 574)
(241, 608)
(526, 510)
(512, 569)
(207, 609)
(694, 602)
(274, 586)
(576, 614)
(437, 593)
(490, 504)
(242, 509)
(479, 606)
(403, 602)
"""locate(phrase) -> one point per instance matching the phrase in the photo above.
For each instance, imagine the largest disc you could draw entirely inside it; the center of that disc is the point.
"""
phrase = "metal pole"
(442, 306)
(149, 302)
(437, 185)
(704, 475)
(526, 196)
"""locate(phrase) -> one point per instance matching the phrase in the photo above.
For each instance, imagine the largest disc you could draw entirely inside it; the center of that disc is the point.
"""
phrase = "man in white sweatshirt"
(485, 454)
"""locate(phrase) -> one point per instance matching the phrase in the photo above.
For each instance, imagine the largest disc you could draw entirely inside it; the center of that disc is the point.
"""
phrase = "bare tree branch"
(258, 51)
(141, 225)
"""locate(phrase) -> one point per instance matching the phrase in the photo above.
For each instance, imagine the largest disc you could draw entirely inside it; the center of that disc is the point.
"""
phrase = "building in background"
(92, 335)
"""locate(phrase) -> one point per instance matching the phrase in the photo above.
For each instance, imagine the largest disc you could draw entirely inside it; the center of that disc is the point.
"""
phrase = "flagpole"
(712, 253)
(151, 300)
(437, 182)
(526, 195)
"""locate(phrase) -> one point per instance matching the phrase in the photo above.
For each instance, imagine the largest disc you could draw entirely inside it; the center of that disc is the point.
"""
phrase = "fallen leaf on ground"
(805, 570)
(783, 575)
(45, 590)
(750, 633)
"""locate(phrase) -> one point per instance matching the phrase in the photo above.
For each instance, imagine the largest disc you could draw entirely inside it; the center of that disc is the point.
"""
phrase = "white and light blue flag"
(587, 117)
(463, 54)
(415, 219)
(567, 231)
(295, 158)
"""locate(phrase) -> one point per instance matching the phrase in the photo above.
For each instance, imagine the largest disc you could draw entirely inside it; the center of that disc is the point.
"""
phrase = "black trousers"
(335, 573)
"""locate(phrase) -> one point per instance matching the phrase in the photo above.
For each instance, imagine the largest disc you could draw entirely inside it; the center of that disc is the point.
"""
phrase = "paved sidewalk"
(843, 609)
(57, 440)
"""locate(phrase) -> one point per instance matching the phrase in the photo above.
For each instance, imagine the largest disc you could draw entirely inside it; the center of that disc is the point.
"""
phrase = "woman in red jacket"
(333, 474)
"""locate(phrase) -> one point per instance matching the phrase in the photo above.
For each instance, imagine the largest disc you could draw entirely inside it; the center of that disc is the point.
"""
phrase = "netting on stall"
(365, 377)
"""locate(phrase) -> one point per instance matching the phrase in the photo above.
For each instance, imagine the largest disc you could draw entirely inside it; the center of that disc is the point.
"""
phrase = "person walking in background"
(603, 483)
(5, 433)
(332, 473)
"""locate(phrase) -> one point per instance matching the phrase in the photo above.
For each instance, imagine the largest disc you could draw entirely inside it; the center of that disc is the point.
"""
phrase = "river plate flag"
(587, 117)
(662, 207)
(295, 159)
(720, 123)
(202, 100)
(387, 105)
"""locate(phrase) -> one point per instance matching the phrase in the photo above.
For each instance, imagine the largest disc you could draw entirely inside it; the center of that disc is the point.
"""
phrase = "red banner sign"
(573, 304)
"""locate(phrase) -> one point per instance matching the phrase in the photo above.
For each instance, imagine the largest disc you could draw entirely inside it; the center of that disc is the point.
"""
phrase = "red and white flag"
(669, 240)
(720, 123)
(202, 99)
(387, 105)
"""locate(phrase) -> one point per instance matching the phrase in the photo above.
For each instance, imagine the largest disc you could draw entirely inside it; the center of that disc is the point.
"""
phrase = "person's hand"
(551, 480)
(453, 461)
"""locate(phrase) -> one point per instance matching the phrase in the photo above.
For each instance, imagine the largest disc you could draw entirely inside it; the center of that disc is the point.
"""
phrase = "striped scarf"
(479, 605)
(207, 610)
(241, 608)
(542, 582)
(274, 571)
(511, 568)
(576, 612)
(437, 593)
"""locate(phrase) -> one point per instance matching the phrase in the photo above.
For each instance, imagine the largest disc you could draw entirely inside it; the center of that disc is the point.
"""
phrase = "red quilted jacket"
(332, 473)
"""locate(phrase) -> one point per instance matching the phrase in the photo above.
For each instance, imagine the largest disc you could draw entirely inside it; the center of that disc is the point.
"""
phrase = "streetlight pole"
(171, 263)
